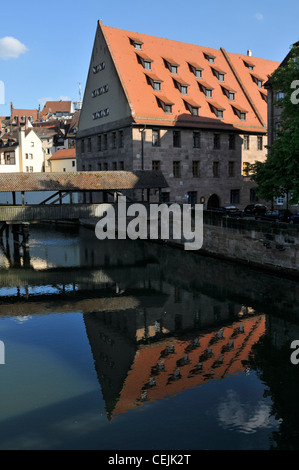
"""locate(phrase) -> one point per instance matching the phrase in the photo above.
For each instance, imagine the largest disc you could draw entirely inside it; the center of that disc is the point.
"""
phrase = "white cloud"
(11, 48)
(259, 16)
(244, 417)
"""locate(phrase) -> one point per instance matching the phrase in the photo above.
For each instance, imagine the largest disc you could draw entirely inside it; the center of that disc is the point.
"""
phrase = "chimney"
(249, 53)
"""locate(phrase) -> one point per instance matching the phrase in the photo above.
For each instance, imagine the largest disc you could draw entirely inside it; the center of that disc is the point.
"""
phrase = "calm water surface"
(131, 345)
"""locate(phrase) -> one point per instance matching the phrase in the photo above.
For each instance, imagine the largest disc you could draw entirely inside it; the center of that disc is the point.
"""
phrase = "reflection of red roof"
(63, 154)
(227, 351)
(140, 94)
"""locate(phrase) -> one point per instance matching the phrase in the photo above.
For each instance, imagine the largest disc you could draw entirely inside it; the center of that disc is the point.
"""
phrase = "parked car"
(280, 215)
(255, 209)
(231, 211)
(294, 218)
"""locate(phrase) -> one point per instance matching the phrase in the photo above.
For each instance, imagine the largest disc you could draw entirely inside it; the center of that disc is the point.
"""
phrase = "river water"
(134, 345)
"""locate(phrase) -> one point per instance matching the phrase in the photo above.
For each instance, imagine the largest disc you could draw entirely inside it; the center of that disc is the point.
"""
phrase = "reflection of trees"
(281, 379)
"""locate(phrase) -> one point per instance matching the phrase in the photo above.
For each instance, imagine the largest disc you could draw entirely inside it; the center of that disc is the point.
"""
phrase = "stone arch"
(213, 202)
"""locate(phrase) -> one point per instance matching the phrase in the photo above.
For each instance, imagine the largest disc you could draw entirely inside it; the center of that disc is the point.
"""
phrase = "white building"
(21, 151)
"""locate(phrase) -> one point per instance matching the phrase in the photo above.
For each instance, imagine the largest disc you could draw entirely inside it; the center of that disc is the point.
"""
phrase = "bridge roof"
(82, 181)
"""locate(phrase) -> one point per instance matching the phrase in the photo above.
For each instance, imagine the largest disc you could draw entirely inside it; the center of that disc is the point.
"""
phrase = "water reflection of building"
(134, 372)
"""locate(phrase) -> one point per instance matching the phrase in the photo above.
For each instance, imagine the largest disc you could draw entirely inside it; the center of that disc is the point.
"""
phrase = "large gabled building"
(198, 114)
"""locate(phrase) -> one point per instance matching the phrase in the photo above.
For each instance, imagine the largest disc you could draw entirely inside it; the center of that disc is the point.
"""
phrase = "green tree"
(279, 174)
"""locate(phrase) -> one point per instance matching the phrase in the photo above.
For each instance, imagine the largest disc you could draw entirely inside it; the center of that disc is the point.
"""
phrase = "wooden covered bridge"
(92, 188)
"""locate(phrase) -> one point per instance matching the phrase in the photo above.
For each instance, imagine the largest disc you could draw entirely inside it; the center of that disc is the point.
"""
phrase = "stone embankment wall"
(270, 245)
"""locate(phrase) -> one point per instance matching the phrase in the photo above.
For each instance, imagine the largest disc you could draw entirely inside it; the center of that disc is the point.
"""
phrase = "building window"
(253, 196)
(89, 145)
(235, 196)
(121, 139)
(280, 201)
(147, 65)
(9, 158)
(99, 143)
(176, 169)
(216, 141)
(198, 73)
(82, 146)
(155, 138)
(243, 116)
(121, 166)
(260, 142)
(219, 113)
(231, 96)
(99, 167)
(176, 138)
(167, 108)
(231, 169)
(184, 89)
(195, 169)
(174, 69)
(156, 165)
(114, 166)
(113, 140)
(194, 111)
(196, 140)
(73, 163)
(157, 86)
(105, 166)
(105, 141)
(208, 93)
(246, 167)
(246, 142)
(232, 142)
(216, 169)
(221, 77)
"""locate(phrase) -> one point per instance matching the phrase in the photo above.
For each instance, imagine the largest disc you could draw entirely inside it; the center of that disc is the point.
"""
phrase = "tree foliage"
(279, 174)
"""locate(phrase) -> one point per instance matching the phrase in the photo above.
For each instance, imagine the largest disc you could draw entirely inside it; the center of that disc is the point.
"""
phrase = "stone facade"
(203, 159)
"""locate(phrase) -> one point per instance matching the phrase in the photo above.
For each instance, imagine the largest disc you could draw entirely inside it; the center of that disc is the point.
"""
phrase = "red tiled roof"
(63, 154)
(237, 77)
(24, 112)
(56, 107)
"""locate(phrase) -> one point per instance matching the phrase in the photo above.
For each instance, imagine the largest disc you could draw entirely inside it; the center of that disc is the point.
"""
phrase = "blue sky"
(45, 47)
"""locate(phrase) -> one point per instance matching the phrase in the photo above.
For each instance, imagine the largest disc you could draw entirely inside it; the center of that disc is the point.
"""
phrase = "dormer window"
(206, 89)
(210, 58)
(258, 80)
(145, 61)
(136, 43)
(165, 104)
(181, 86)
(227, 91)
(154, 81)
(195, 69)
(240, 112)
(249, 65)
(218, 73)
(217, 110)
(171, 65)
(191, 106)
